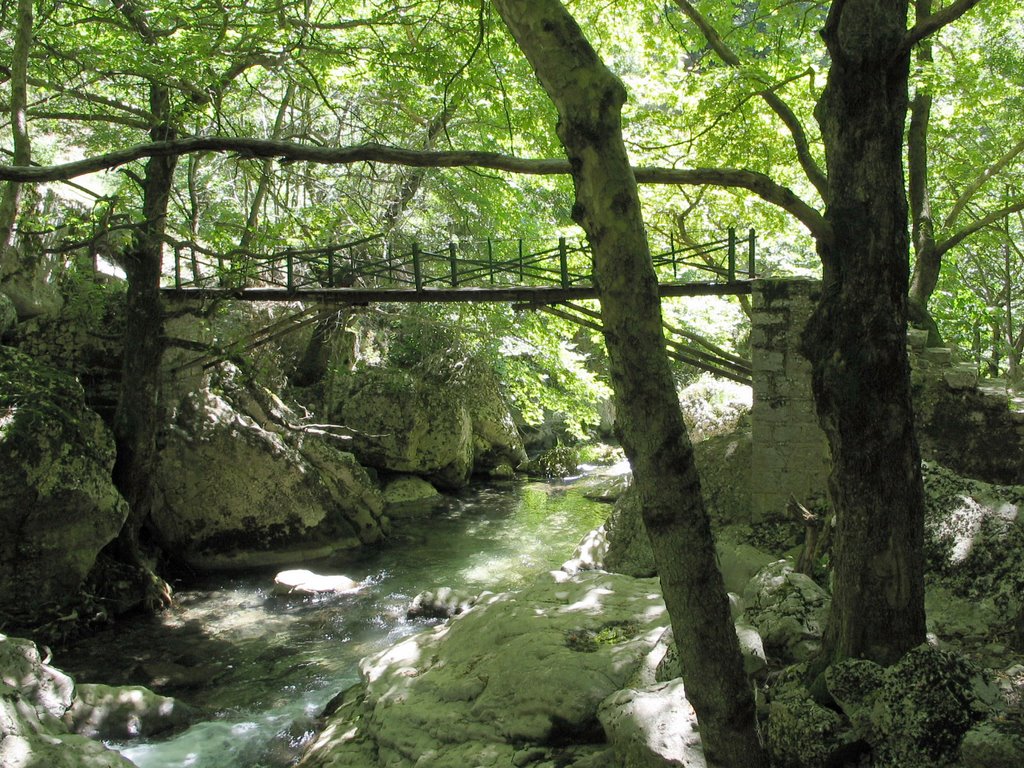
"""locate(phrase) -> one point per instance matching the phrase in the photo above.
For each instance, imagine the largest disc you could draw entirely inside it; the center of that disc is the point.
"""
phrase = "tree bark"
(137, 418)
(10, 199)
(927, 257)
(856, 340)
(589, 101)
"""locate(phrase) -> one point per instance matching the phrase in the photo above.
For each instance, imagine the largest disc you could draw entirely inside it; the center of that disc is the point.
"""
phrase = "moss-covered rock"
(926, 704)
(558, 461)
(915, 713)
(974, 545)
(33, 698)
(241, 489)
(8, 314)
(58, 506)
(628, 548)
(788, 609)
(410, 496)
(402, 424)
(800, 732)
(993, 744)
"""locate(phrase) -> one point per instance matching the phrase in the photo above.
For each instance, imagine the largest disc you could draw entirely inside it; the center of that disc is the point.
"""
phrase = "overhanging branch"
(289, 152)
(937, 21)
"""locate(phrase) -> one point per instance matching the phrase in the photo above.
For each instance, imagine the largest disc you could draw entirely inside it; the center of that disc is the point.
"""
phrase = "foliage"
(542, 374)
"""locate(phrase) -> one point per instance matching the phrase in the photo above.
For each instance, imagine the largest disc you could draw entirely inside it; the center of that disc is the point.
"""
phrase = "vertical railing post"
(732, 255)
(454, 262)
(490, 260)
(751, 272)
(672, 254)
(289, 270)
(417, 269)
(563, 262)
(521, 277)
(177, 269)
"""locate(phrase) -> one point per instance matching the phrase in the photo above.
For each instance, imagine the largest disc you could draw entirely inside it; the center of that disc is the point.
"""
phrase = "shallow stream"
(261, 666)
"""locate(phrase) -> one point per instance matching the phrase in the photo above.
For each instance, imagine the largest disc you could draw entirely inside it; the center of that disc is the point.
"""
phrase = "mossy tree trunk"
(589, 101)
(856, 339)
(137, 418)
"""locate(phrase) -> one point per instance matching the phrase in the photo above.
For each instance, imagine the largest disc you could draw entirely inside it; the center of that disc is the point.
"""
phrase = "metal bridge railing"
(374, 262)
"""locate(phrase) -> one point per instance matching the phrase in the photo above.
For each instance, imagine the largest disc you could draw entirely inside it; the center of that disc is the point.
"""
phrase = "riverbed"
(260, 667)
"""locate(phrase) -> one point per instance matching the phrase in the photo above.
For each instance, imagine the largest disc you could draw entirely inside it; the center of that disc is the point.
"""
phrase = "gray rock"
(961, 376)
(33, 699)
(46, 689)
(410, 496)
(442, 603)
(788, 609)
(404, 425)
(114, 713)
(591, 553)
(58, 506)
(654, 727)
(234, 491)
(519, 672)
(35, 288)
(306, 582)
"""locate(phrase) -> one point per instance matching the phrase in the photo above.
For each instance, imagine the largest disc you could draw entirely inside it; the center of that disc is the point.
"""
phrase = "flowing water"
(260, 667)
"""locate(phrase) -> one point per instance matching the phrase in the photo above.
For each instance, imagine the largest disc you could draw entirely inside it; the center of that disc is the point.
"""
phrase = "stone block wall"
(790, 453)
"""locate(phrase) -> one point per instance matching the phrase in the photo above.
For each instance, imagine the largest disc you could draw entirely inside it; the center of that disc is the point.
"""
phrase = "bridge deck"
(540, 294)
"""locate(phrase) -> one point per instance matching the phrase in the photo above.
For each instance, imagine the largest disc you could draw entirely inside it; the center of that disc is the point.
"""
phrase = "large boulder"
(497, 444)
(789, 611)
(33, 287)
(33, 698)
(974, 545)
(445, 698)
(240, 484)
(120, 713)
(915, 713)
(403, 424)
(58, 506)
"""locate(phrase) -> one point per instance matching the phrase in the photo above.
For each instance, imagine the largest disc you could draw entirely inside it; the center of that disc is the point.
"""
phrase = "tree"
(856, 342)
(968, 193)
(22, 154)
(589, 100)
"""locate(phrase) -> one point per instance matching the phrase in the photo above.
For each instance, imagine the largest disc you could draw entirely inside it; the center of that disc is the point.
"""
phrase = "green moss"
(587, 640)
(41, 406)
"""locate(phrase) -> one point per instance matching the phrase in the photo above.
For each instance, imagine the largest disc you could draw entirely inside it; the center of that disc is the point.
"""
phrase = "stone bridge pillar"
(790, 453)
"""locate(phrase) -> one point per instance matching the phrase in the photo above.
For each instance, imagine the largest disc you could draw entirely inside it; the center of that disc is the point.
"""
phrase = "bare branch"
(936, 21)
(771, 98)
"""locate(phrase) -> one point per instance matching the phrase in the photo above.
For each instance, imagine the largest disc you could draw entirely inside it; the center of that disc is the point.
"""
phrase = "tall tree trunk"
(11, 197)
(589, 101)
(856, 340)
(927, 257)
(137, 418)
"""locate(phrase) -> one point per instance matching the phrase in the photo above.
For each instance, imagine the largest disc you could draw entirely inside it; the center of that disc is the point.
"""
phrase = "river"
(260, 666)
